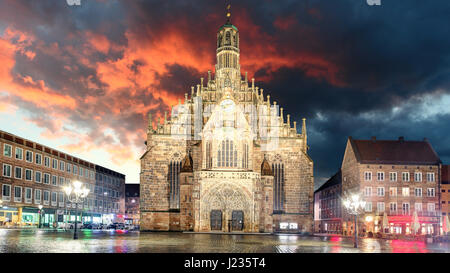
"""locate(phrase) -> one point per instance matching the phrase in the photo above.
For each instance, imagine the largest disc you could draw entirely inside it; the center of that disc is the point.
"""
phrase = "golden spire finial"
(228, 12)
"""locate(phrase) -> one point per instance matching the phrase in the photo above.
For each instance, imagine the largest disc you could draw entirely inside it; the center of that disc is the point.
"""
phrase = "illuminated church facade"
(227, 160)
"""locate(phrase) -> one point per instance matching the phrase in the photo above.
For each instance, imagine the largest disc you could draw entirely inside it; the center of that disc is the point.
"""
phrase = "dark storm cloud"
(178, 79)
(342, 64)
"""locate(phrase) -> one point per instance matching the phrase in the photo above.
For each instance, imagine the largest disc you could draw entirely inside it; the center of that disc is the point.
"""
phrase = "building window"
(380, 191)
(38, 159)
(46, 178)
(61, 165)
(6, 192)
(174, 184)
(227, 154)
(7, 170)
(28, 175)
(54, 198)
(55, 164)
(28, 195)
(61, 181)
(75, 169)
(47, 161)
(431, 207)
(208, 155)
(46, 197)
(245, 156)
(17, 194)
(54, 180)
(18, 173)
(278, 191)
(418, 207)
(29, 156)
(431, 192)
(68, 167)
(418, 177)
(37, 176)
(418, 192)
(430, 177)
(61, 199)
(367, 191)
(19, 153)
(393, 208)
(405, 191)
(368, 176)
(405, 176)
(7, 150)
(393, 176)
(37, 196)
(380, 207)
(368, 207)
(405, 207)
(380, 176)
(393, 191)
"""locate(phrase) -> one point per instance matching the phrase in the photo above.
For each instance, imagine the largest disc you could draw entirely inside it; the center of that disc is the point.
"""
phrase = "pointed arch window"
(227, 154)
(173, 178)
(278, 184)
(245, 156)
(208, 155)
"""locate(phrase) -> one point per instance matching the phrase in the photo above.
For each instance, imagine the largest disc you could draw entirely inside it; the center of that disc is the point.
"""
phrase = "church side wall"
(154, 186)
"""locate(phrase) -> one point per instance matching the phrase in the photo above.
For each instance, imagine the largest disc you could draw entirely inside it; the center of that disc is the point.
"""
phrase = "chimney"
(401, 139)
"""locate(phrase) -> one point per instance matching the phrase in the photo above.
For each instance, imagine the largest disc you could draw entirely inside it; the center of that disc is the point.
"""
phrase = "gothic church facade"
(227, 160)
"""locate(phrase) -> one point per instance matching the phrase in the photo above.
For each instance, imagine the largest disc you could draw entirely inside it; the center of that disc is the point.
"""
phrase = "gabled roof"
(394, 152)
(336, 179)
(265, 168)
(187, 164)
(132, 190)
(445, 174)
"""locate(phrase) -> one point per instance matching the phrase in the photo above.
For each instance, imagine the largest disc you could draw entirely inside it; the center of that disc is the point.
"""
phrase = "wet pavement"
(100, 241)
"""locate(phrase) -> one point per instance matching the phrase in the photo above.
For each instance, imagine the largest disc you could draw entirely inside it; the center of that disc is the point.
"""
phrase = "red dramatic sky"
(83, 79)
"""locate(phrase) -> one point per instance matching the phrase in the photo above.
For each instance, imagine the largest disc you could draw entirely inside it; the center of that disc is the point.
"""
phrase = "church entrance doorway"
(216, 220)
(237, 220)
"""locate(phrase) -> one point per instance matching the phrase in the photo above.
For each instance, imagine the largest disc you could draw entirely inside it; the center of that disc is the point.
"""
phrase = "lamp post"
(76, 193)
(353, 206)
(40, 215)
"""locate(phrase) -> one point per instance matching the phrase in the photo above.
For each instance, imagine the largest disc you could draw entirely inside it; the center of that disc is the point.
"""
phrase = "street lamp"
(40, 215)
(76, 194)
(353, 206)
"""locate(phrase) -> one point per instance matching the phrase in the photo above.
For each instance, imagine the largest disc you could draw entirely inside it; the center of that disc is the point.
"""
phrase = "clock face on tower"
(227, 105)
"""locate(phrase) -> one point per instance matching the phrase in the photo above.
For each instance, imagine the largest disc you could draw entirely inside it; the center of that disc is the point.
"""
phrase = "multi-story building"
(228, 159)
(445, 190)
(110, 194)
(132, 213)
(327, 206)
(396, 178)
(33, 175)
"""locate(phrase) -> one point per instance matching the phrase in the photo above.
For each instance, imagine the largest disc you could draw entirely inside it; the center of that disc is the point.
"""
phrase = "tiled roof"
(394, 152)
(334, 180)
(132, 190)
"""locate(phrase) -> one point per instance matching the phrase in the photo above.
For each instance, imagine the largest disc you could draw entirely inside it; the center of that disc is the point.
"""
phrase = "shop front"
(404, 225)
(9, 216)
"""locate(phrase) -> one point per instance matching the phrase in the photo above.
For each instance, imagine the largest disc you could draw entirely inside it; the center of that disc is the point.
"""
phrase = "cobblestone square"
(98, 241)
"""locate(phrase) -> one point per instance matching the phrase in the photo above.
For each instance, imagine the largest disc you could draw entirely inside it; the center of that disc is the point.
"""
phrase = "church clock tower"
(228, 69)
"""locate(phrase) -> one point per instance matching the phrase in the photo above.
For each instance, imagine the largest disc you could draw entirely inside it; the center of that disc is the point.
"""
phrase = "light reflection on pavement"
(97, 241)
